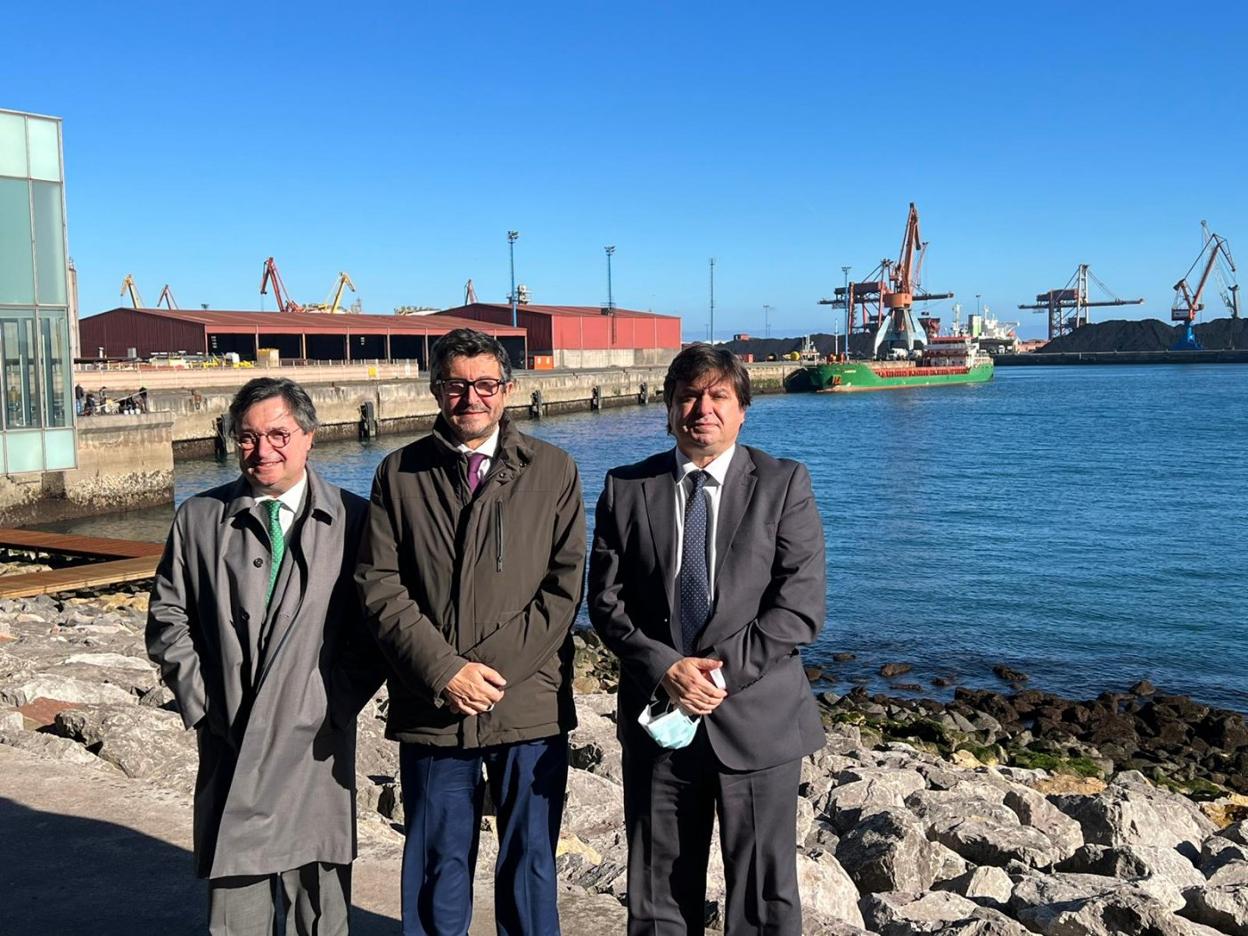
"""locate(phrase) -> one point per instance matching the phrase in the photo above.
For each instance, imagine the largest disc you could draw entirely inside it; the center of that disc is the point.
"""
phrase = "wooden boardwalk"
(125, 561)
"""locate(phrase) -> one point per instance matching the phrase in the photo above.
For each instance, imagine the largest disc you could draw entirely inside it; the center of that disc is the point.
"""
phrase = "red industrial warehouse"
(583, 336)
(126, 332)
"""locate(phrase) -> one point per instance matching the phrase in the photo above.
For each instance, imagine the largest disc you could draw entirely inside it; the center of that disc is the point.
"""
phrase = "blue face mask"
(671, 729)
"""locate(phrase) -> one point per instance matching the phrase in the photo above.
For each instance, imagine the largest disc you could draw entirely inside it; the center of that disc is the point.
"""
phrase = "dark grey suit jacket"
(770, 584)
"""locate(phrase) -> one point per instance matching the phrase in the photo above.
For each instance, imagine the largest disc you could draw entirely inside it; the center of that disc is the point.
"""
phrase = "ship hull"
(852, 377)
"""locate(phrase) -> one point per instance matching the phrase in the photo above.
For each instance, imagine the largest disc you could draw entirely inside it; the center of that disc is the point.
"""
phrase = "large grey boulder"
(1067, 904)
(142, 742)
(593, 745)
(864, 790)
(946, 863)
(65, 689)
(1223, 907)
(1129, 862)
(1221, 849)
(986, 841)
(827, 891)
(1233, 872)
(594, 813)
(51, 747)
(887, 851)
(1131, 811)
(932, 806)
(907, 914)
(1033, 809)
(984, 885)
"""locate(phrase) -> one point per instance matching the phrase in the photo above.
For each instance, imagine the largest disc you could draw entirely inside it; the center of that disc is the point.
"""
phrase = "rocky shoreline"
(989, 815)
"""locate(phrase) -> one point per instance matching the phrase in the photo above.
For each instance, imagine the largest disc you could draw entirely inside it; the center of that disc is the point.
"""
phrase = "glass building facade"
(36, 370)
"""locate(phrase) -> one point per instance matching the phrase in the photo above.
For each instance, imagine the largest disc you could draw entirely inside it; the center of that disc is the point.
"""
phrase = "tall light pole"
(711, 326)
(978, 309)
(610, 297)
(848, 308)
(766, 321)
(511, 250)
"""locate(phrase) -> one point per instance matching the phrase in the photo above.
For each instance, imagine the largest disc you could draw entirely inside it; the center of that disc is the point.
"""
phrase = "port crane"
(1074, 297)
(335, 305)
(883, 302)
(128, 285)
(280, 295)
(1187, 302)
(166, 296)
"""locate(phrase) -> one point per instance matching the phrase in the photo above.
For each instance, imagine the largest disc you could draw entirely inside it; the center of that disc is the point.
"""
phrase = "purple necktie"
(474, 471)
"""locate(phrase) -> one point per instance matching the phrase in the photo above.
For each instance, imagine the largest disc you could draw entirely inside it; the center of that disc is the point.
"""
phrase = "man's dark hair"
(699, 360)
(260, 389)
(467, 342)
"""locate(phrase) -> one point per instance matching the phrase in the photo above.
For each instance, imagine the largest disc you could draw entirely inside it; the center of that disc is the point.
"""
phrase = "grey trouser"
(671, 799)
(313, 899)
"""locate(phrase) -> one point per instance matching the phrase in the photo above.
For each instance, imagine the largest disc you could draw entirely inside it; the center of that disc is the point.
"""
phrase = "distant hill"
(1148, 335)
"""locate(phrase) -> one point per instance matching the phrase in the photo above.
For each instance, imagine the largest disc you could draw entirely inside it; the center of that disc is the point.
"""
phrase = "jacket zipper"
(498, 536)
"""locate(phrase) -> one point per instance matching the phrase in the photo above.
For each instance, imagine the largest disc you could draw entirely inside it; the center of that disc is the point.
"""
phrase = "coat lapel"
(738, 489)
(660, 498)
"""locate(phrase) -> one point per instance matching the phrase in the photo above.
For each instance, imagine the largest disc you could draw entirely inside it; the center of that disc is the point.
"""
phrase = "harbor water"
(1086, 526)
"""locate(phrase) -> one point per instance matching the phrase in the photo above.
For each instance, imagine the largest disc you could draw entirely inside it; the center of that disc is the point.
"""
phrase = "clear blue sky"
(400, 142)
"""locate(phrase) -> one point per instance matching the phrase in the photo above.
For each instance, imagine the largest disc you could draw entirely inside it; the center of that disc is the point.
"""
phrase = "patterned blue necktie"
(695, 588)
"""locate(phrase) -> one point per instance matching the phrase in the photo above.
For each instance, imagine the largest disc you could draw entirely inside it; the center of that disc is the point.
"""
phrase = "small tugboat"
(903, 354)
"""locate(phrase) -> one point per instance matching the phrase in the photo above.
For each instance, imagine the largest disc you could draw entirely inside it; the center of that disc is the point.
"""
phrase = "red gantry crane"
(884, 302)
(166, 296)
(1187, 303)
(280, 295)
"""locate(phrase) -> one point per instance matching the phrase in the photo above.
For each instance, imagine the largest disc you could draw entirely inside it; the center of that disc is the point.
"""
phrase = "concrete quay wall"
(124, 463)
(405, 404)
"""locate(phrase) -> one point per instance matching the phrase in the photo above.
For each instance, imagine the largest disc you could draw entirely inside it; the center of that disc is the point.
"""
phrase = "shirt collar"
(292, 499)
(717, 469)
(486, 448)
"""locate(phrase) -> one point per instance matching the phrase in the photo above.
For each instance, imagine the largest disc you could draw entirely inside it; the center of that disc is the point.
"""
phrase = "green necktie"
(277, 543)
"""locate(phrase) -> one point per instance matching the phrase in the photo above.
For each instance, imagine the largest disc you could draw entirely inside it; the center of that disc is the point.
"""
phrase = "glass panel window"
(49, 243)
(12, 145)
(45, 149)
(21, 380)
(17, 284)
(24, 451)
(58, 449)
(54, 350)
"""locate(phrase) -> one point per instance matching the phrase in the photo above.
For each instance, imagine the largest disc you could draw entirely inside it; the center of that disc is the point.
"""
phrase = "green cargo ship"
(947, 360)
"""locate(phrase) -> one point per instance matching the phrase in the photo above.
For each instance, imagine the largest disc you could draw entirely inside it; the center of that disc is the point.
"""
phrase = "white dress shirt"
(292, 503)
(716, 471)
(488, 448)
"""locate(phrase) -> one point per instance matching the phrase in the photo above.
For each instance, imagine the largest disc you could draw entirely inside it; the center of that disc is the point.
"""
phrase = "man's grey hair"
(467, 342)
(260, 389)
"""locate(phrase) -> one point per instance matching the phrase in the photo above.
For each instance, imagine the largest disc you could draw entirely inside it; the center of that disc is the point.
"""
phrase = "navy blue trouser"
(443, 795)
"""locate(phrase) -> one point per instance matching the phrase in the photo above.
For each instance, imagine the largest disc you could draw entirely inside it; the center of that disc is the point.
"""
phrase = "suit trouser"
(314, 899)
(443, 797)
(670, 801)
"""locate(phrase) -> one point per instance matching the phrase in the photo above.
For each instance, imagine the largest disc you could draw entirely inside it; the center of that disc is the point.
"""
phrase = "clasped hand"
(688, 683)
(476, 688)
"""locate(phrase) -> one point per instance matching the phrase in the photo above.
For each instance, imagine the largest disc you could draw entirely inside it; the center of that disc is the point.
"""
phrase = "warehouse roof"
(569, 311)
(315, 322)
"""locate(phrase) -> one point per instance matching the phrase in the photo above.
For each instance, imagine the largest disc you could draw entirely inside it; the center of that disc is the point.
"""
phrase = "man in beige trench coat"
(256, 627)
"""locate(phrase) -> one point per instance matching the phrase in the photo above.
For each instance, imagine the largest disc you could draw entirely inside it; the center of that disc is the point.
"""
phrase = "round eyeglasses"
(278, 438)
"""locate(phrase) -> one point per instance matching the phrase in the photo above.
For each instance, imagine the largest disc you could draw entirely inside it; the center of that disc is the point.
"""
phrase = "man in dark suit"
(708, 561)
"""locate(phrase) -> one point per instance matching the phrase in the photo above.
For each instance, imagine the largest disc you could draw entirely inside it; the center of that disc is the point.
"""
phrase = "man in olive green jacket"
(471, 572)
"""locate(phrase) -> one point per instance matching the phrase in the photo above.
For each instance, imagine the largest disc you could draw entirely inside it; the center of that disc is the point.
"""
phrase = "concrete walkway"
(86, 850)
